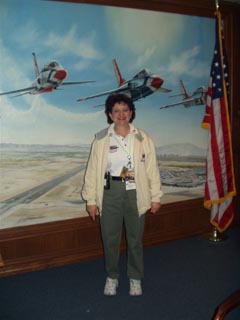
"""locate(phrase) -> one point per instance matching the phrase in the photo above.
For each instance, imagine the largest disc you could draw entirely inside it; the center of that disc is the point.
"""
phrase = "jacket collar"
(107, 131)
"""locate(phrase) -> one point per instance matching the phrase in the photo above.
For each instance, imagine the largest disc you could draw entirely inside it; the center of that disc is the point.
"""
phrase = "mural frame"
(50, 244)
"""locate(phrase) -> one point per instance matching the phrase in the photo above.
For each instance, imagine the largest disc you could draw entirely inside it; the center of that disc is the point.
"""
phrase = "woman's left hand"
(155, 206)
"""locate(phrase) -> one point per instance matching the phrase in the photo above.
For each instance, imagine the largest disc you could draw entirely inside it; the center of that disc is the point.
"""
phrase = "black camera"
(107, 180)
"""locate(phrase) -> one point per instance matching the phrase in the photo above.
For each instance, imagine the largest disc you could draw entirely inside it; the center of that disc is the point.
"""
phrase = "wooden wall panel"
(26, 249)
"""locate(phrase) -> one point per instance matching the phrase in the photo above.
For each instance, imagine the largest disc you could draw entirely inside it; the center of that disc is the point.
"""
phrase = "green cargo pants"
(120, 208)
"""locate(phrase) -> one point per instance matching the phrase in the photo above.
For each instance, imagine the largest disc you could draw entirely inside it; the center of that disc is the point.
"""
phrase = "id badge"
(130, 181)
(130, 185)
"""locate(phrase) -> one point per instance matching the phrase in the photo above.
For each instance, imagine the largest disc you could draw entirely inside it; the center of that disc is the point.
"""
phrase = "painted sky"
(84, 39)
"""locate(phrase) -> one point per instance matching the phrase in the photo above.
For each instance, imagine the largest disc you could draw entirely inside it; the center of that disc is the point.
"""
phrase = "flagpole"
(215, 235)
(220, 184)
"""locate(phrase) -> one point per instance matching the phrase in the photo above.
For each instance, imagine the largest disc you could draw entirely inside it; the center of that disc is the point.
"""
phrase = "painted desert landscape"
(42, 183)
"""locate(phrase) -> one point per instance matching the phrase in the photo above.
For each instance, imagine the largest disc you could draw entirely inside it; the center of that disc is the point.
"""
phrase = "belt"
(117, 178)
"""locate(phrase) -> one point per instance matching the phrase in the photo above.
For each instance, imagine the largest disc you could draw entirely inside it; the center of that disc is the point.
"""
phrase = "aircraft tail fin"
(183, 90)
(36, 69)
(120, 79)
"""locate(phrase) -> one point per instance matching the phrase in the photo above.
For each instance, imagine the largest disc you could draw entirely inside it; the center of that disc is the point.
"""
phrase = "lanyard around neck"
(126, 150)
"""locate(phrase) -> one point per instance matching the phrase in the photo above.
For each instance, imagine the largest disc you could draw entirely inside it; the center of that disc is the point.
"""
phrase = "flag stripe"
(218, 142)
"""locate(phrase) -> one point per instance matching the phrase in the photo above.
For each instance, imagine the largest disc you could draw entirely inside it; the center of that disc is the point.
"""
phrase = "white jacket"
(147, 177)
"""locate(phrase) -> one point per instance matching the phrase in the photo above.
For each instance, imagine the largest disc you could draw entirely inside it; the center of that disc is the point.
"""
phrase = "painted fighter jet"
(48, 79)
(195, 98)
(140, 86)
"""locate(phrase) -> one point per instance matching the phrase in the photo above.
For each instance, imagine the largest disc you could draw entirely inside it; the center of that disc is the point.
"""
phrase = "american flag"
(220, 183)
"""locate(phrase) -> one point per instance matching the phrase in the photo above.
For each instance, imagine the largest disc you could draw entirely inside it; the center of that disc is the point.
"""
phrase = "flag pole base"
(216, 236)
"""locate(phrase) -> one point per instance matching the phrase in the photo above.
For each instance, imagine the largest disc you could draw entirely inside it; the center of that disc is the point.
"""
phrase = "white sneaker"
(110, 288)
(135, 288)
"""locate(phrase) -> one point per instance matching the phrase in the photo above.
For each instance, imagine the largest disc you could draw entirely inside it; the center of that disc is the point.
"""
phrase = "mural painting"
(57, 69)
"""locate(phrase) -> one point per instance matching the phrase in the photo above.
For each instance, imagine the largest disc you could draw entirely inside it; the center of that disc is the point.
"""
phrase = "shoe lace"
(111, 283)
(135, 284)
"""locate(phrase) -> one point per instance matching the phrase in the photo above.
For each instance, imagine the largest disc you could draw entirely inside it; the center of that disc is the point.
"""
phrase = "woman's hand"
(155, 206)
(92, 211)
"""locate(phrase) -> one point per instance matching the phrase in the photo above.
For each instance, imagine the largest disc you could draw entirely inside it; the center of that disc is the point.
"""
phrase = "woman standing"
(121, 183)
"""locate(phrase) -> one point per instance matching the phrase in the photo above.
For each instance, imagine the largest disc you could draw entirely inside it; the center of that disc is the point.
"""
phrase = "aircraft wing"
(177, 103)
(102, 94)
(164, 90)
(29, 89)
(76, 82)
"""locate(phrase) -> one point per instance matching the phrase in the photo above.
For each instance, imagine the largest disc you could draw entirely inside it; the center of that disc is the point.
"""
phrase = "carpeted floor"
(184, 280)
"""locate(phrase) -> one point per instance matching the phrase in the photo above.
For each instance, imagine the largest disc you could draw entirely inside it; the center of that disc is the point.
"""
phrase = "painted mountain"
(181, 150)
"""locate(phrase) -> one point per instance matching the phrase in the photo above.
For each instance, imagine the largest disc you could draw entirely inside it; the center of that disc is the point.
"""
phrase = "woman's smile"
(121, 112)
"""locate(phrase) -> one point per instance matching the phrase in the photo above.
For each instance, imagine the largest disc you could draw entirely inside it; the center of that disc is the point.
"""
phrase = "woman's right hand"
(92, 211)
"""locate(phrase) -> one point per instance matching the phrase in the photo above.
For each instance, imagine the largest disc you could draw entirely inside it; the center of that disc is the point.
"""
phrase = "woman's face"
(121, 114)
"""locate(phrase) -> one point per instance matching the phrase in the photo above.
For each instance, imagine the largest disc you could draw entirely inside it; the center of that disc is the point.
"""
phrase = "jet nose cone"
(156, 82)
(60, 74)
